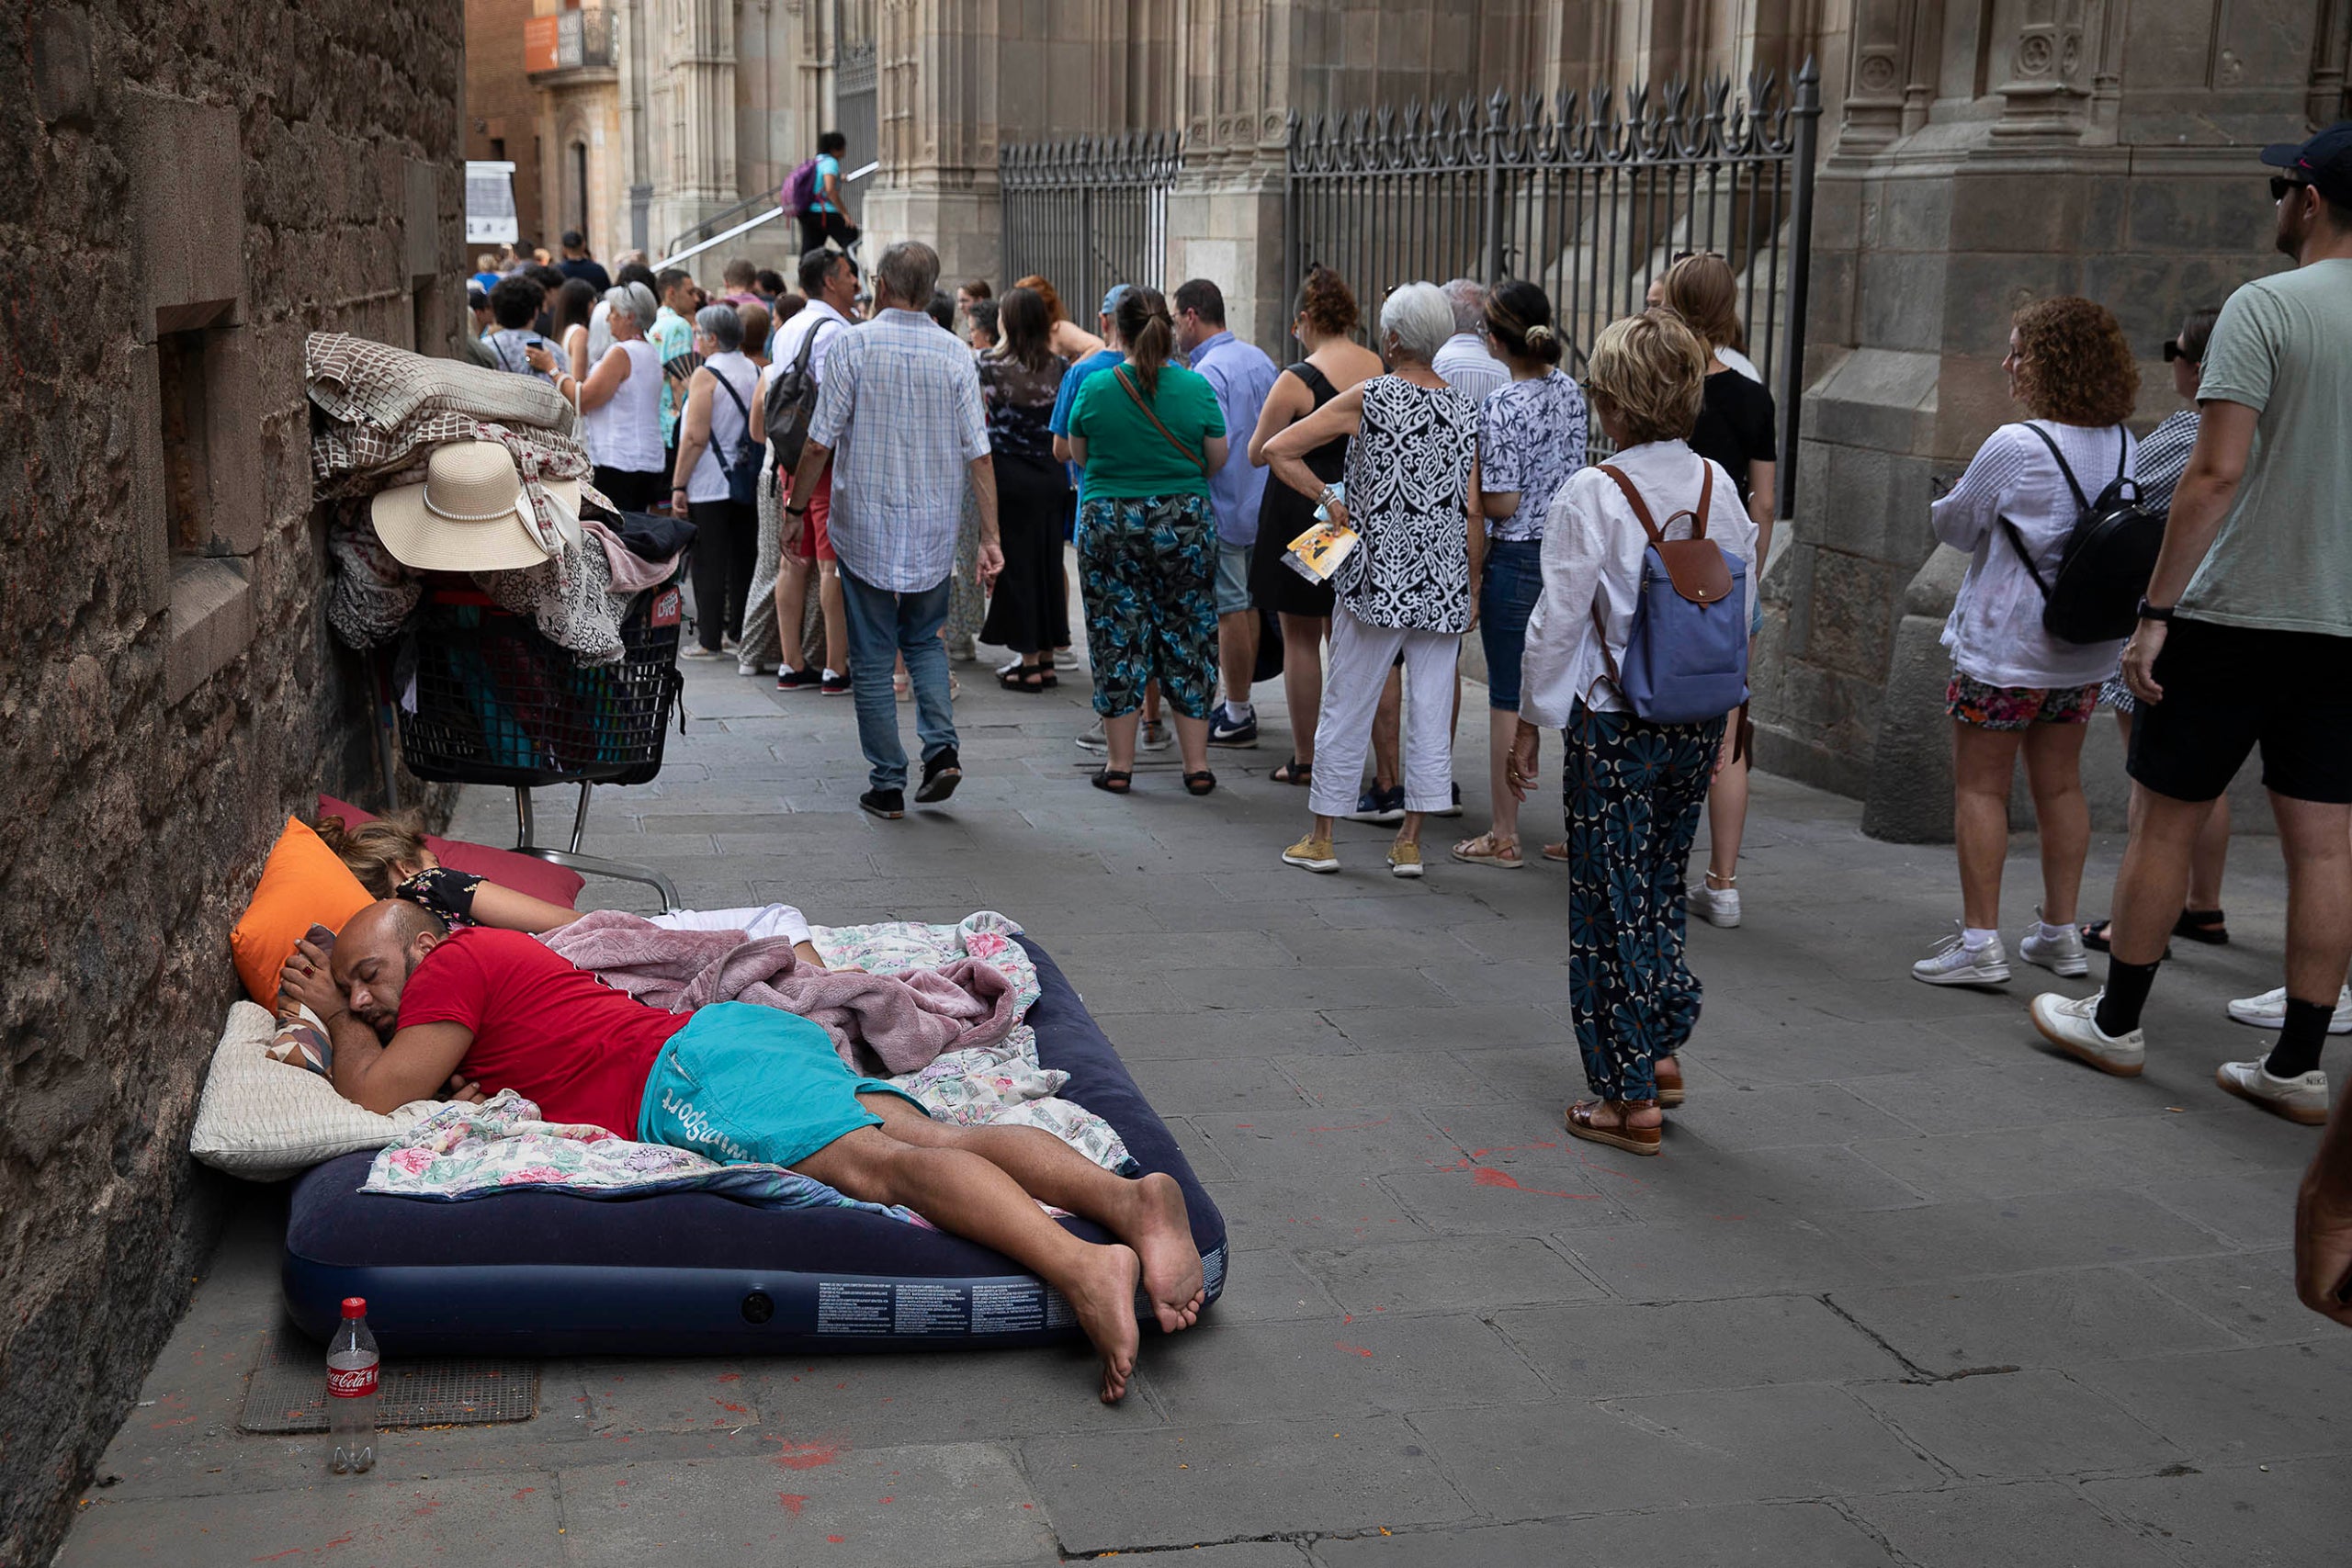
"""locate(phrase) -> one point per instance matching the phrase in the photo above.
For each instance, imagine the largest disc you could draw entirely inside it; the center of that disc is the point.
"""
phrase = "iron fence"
(1088, 212)
(1591, 196)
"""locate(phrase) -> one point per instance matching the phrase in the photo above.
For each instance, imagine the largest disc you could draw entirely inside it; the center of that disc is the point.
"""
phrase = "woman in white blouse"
(2015, 688)
(1635, 789)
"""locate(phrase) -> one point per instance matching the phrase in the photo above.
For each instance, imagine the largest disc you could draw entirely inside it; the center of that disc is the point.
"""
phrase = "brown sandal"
(1669, 1090)
(1555, 851)
(1624, 1136)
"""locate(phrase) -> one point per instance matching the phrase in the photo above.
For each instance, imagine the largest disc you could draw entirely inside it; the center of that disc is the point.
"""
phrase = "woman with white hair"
(620, 405)
(1412, 471)
(716, 479)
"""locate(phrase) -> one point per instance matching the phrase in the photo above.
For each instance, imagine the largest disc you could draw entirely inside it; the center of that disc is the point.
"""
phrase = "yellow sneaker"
(1404, 860)
(1313, 853)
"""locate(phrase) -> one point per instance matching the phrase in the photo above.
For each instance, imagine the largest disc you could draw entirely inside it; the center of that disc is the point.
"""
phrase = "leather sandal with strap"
(1668, 1074)
(1624, 1134)
(1294, 772)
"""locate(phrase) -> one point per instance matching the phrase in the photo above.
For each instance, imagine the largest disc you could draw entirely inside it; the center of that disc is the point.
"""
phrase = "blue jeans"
(882, 626)
(1507, 597)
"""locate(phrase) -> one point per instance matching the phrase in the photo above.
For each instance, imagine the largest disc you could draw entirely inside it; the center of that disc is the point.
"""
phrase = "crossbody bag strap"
(1128, 386)
(736, 399)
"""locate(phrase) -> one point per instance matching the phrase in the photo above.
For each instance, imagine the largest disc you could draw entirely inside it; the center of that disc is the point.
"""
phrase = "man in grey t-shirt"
(2244, 640)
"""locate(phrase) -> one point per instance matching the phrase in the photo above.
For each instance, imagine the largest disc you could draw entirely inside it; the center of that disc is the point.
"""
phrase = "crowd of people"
(928, 456)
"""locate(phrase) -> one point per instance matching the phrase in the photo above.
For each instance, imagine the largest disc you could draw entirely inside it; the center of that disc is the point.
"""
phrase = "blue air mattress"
(545, 1273)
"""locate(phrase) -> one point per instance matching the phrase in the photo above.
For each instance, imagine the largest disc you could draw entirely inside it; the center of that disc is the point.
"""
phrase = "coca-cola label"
(351, 1383)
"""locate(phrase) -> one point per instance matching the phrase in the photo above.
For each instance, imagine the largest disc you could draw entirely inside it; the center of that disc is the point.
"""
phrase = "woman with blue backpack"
(1636, 652)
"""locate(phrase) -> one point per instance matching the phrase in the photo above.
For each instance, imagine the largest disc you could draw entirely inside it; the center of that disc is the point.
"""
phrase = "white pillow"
(264, 1119)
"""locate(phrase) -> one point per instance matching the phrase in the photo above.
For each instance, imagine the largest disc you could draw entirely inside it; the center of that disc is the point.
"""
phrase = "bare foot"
(1102, 1293)
(1162, 1234)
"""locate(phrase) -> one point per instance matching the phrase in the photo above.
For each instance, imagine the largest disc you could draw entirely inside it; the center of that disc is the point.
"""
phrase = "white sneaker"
(1093, 739)
(1154, 736)
(2268, 1011)
(1955, 962)
(2071, 1023)
(1716, 906)
(2301, 1098)
(2064, 957)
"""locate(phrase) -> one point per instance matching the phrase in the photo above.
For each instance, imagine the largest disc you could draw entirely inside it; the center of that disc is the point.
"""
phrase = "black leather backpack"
(2110, 555)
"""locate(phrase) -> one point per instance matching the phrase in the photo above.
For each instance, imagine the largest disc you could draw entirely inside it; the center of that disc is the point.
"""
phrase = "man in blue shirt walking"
(1241, 376)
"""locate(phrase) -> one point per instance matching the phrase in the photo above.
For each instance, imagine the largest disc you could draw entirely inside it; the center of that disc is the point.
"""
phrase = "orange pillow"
(302, 884)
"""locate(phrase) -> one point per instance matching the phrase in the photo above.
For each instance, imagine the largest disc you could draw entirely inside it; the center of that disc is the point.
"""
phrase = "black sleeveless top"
(1284, 514)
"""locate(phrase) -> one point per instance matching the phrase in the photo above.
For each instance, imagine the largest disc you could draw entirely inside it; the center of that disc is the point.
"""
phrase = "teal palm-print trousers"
(1635, 790)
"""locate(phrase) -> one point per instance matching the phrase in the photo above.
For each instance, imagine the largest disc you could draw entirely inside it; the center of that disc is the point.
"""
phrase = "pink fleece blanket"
(904, 1020)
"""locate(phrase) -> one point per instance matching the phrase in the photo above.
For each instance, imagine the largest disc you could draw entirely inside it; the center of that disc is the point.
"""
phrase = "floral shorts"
(1972, 701)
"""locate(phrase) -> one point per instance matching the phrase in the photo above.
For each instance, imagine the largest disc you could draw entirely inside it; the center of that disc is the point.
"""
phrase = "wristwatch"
(2155, 612)
(796, 512)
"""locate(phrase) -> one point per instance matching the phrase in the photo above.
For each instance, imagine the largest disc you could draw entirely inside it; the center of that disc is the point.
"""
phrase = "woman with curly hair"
(2015, 687)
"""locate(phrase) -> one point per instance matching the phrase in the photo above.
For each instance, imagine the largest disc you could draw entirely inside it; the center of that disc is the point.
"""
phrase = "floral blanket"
(471, 1151)
(990, 1085)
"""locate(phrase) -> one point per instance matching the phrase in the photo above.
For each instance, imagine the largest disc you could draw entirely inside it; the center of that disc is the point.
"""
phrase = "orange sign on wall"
(541, 48)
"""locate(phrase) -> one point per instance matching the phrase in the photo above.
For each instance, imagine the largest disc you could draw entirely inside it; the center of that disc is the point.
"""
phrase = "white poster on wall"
(490, 203)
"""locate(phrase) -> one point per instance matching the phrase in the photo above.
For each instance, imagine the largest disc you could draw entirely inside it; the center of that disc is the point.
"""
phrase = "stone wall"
(195, 187)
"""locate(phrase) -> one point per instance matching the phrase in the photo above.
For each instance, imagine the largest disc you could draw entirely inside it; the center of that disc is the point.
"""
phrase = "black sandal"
(2207, 926)
(2097, 935)
(1111, 781)
(1294, 772)
(1024, 678)
(1200, 783)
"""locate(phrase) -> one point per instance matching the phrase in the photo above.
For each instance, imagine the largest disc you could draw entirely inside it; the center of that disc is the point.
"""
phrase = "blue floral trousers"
(1634, 792)
(1148, 573)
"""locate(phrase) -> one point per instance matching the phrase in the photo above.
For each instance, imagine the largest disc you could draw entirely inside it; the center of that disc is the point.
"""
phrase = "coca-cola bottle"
(351, 1392)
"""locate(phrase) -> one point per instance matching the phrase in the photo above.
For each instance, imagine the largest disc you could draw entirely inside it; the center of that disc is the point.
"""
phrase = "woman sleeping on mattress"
(408, 1002)
(390, 858)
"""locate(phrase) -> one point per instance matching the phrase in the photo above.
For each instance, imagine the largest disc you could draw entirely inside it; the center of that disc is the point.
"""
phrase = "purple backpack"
(799, 192)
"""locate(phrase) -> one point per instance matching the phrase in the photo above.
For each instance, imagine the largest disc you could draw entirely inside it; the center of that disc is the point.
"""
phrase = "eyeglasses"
(2174, 351)
(1681, 257)
(2280, 185)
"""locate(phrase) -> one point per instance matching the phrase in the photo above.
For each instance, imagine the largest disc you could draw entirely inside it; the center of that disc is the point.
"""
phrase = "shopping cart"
(484, 697)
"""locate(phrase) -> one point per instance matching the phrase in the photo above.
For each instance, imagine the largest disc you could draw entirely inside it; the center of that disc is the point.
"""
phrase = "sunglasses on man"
(2172, 351)
(2280, 185)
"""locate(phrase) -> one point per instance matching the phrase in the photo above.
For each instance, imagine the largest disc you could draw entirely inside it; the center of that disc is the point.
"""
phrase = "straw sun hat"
(469, 514)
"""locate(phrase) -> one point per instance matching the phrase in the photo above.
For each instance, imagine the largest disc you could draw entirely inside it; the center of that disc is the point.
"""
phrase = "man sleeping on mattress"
(411, 1005)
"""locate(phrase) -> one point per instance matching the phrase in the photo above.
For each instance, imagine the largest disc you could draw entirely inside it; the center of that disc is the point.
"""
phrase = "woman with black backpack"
(2017, 686)
(716, 481)
(1636, 652)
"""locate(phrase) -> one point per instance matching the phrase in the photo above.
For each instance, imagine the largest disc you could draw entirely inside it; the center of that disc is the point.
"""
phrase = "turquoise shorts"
(742, 1083)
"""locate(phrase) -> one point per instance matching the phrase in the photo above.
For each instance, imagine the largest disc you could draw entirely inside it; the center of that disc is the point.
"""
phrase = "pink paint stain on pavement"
(792, 1502)
(808, 1456)
(1488, 1176)
(1352, 1350)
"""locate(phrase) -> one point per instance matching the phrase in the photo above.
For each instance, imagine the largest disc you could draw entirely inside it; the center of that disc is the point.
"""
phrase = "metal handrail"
(750, 203)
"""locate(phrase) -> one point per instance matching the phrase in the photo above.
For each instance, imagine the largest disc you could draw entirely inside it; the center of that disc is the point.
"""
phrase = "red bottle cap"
(355, 1306)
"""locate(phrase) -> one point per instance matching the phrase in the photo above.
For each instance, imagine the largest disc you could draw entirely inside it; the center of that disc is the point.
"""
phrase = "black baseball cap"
(2324, 161)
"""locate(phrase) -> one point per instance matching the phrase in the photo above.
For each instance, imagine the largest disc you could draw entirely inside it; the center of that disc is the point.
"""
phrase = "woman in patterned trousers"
(1634, 788)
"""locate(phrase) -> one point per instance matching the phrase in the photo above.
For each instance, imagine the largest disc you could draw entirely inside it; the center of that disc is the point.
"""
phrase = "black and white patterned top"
(1531, 438)
(2163, 459)
(1408, 490)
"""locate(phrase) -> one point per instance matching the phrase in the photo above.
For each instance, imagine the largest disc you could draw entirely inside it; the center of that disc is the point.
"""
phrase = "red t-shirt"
(542, 1026)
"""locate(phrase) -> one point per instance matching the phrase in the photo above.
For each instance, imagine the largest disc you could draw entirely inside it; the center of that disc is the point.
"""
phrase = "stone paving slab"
(1904, 1288)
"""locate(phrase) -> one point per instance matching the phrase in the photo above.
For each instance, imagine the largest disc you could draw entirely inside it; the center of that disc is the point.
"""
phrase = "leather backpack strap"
(1633, 499)
(1128, 386)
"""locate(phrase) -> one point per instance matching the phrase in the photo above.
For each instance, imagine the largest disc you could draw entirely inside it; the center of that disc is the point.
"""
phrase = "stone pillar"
(1225, 217)
(939, 129)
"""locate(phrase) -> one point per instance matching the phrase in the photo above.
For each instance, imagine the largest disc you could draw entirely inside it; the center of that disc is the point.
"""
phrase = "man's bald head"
(374, 954)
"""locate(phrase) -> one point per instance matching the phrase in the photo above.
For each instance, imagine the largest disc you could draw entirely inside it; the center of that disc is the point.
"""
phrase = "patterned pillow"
(301, 1037)
(256, 1120)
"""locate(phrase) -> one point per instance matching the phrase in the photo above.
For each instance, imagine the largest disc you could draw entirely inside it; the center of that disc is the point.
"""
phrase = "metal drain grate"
(289, 1391)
